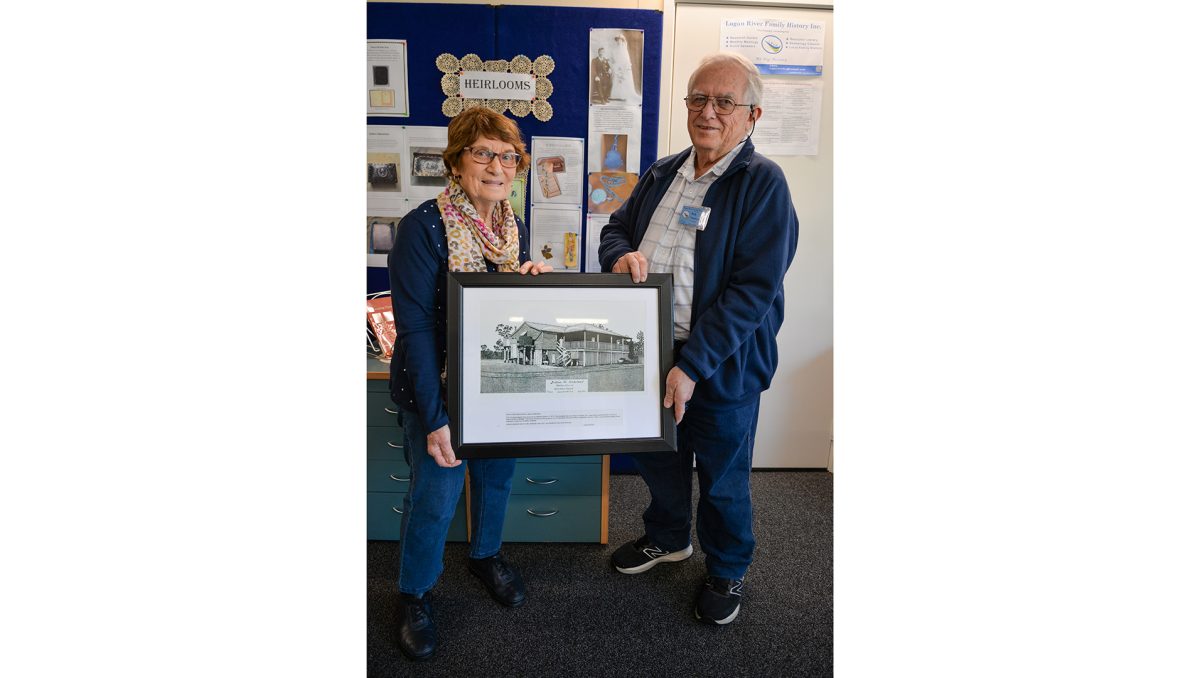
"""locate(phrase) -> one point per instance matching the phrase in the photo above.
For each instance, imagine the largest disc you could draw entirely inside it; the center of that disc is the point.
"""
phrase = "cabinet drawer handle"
(389, 411)
(399, 480)
(541, 515)
(397, 510)
(541, 482)
(394, 445)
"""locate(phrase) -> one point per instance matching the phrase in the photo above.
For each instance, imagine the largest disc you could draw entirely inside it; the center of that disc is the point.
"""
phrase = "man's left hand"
(679, 392)
(534, 268)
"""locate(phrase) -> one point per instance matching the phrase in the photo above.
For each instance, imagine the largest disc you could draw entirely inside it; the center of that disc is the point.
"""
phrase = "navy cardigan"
(417, 268)
(741, 258)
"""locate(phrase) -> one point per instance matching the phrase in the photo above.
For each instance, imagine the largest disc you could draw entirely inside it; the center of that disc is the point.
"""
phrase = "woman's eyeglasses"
(722, 105)
(483, 156)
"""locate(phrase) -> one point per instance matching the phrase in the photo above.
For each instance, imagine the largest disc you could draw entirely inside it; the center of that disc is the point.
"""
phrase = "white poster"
(557, 170)
(424, 173)
(382, 225)
(791, 120)
(595, 223)
(387, 78)
(614, 139)
(554, 236)
(385, 158)
(776, 46)
(589, 374)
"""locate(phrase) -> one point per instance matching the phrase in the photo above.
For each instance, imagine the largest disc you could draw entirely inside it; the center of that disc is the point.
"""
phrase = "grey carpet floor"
(585, 619)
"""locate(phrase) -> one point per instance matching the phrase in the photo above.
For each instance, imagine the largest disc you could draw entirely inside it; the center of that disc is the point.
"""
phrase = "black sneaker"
(640, 555)
(719, 600)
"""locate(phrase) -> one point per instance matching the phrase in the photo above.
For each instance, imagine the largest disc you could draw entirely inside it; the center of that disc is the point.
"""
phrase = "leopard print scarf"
(470, 241)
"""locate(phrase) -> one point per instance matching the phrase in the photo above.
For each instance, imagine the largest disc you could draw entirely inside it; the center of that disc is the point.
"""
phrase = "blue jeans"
(722, 443)
(433, 492)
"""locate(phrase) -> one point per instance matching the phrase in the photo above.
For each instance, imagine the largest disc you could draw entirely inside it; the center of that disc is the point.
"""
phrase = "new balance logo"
(641, 555)
(736, 589)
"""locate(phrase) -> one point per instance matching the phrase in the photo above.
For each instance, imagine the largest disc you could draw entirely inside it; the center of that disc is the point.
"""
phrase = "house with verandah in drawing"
(582, 345)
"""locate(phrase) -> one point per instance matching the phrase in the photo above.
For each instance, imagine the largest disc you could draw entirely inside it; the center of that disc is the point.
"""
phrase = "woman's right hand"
(438, 444)
(534, 268)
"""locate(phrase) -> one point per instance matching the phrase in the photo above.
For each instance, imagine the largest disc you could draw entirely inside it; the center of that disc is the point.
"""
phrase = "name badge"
(694, 217)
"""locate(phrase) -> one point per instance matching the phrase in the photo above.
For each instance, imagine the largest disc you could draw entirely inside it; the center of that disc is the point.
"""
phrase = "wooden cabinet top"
(376, 369)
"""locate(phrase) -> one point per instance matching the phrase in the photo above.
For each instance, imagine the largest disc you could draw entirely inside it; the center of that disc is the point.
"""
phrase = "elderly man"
(719, 218)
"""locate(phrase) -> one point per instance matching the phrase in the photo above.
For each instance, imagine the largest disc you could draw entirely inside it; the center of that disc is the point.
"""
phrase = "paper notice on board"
(607, 191)
(387, 78)
(615, 139)
(383, 222)
(424, 171)
(557, 170)
(554, 235)
(516, 194)
(595, 224)
(791, 120)
(776, 46)
(384, 170)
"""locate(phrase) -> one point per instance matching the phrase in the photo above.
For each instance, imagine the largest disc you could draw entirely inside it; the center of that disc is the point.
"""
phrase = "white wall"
(796, 424)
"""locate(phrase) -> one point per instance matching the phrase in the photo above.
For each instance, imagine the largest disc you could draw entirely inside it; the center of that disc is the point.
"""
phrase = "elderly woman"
(473, 220)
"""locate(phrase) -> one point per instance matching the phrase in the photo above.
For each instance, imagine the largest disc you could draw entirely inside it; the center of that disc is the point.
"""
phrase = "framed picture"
(554, 364)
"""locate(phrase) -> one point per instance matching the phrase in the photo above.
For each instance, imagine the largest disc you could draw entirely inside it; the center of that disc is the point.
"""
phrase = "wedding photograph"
(616, 66)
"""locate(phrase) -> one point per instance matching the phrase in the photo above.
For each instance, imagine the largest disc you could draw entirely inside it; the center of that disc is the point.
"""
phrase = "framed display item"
(555, 365)
(428, 165)
(382, 174)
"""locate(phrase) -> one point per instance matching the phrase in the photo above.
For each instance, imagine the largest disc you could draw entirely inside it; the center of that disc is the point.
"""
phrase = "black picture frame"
(655, 427)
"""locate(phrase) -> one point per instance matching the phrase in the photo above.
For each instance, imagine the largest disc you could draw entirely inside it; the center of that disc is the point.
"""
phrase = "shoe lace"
(504, 571)
(723, 587)
(419, 607)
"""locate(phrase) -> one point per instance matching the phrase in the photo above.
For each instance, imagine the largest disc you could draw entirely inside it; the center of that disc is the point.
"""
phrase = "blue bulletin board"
(502, 33)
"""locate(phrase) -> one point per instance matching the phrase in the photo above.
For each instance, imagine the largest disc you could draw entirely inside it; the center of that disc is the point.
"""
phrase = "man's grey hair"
(754, 83)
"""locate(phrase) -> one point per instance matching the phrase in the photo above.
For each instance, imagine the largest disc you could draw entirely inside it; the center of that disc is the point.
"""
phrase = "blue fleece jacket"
(741, 258)
(417, 268)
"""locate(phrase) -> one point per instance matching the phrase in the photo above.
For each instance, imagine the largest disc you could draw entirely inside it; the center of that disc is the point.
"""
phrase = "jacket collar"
(673, 163)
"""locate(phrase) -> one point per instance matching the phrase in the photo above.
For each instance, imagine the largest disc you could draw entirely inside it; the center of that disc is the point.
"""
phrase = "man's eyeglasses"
(722, 105)
(483, 156)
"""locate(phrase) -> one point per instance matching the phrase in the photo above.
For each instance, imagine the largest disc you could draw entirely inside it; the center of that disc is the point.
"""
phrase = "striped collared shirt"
(669, 246)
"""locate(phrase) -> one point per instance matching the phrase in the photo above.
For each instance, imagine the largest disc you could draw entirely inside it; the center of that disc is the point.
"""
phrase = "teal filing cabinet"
(387, 472)
(559, 499)
(554, 499)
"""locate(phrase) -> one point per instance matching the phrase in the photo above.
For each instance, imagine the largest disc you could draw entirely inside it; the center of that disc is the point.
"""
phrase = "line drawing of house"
(582, 345)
